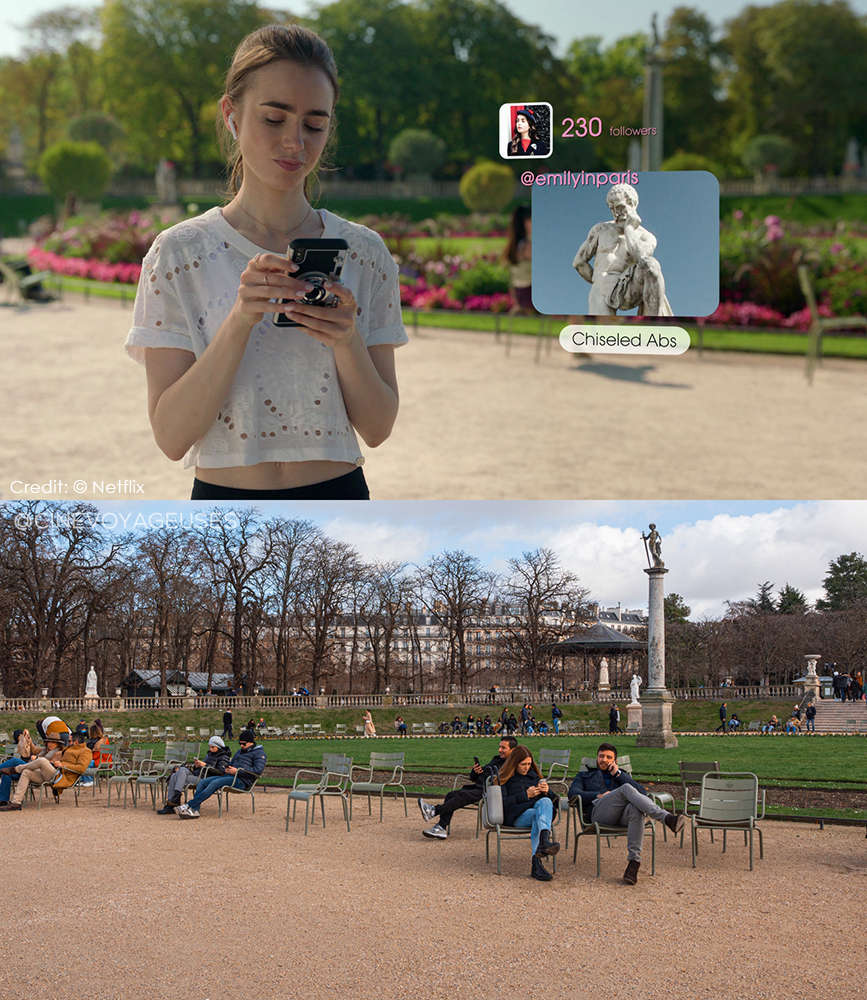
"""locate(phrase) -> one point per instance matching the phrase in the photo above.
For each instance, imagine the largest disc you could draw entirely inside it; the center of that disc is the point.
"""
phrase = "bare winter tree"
(49, 554)
(237, 549)
(290, 542)
(384, 591)
(456, 591)
(330, 573)
(545, 604)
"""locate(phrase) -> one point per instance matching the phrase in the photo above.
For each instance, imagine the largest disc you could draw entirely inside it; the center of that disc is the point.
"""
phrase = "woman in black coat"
(527, 802)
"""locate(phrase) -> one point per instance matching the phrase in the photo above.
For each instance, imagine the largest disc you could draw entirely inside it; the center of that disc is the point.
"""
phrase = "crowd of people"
(68, 757)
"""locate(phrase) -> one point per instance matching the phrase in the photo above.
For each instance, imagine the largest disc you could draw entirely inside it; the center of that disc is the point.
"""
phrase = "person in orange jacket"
(73, 763)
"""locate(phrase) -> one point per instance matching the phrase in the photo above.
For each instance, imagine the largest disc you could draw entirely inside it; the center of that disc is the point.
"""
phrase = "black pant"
(351, 486)
(457, 799)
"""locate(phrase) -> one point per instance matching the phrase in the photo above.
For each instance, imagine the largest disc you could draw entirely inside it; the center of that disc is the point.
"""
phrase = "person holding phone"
(611, 797)
(528, 802)
(265, 411)
(466, 796)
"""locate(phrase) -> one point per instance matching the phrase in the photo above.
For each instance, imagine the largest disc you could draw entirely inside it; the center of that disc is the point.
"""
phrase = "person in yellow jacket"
(73, 763)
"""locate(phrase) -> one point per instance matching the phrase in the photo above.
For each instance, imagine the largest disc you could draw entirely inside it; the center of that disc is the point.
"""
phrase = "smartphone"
(318, 261)
(477, 762)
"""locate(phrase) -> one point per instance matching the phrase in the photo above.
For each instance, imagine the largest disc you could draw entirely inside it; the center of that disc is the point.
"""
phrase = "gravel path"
(114, 904)
(474, 423)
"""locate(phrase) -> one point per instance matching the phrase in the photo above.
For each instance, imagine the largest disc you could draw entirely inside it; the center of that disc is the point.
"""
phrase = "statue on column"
(90, 688)
(653, 547)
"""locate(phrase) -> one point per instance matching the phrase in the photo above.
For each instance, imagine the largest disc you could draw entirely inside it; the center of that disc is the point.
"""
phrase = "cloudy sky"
(565, 20)
(714, 550)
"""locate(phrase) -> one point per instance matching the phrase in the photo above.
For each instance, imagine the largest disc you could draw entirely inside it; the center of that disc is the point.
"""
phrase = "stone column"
(656, 700)
(651, 142)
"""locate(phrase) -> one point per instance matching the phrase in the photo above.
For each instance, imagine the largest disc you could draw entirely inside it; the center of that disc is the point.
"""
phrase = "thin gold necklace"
(282, 232)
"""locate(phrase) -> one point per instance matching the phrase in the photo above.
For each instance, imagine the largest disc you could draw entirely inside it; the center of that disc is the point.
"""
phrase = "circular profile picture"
(525, 130)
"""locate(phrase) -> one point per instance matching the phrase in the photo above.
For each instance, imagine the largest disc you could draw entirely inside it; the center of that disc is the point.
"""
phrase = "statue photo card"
(626, 244)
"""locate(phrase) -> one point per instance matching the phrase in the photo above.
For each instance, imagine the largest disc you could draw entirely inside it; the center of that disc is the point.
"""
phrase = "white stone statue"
(604, 683)
(626, 274)
(634, 685)
(90, 688)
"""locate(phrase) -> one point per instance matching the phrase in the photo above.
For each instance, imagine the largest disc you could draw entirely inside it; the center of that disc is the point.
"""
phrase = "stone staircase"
(841, 716)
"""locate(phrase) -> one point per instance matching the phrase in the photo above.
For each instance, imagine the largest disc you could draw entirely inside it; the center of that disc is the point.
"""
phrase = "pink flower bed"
(748, 314)
(78, 267)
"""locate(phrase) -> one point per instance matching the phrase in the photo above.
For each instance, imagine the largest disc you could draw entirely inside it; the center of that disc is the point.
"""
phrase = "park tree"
(236, 548)
(786, 64)
(329, 575)
(50, 556)
(388, 80)
(767, 153)
(165, 63)
(455, 589)
(791, 601)
(544, 602)
(846, 584)
(763, 603)
(675, 608)
(695, 114)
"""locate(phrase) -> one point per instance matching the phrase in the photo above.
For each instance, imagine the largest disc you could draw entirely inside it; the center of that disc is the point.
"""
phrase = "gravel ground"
(114, 904)
(475, 424)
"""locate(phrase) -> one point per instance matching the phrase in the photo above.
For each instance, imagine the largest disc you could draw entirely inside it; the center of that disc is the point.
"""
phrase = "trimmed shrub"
(488, 186)
(417, 151)
(80, 167)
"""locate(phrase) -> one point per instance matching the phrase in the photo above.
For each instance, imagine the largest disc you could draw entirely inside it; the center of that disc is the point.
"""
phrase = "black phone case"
(324, 258)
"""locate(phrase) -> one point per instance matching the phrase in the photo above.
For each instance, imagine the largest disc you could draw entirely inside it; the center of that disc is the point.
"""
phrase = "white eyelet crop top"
(285, 403)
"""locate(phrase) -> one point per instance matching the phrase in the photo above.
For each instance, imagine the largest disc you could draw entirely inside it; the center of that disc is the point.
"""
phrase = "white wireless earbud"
(231, 124)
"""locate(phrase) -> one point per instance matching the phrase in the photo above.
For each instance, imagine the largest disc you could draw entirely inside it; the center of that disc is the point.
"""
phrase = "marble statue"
(626, 274)
(90, 686)
(604, 683)
(634, 685)
(653, 545)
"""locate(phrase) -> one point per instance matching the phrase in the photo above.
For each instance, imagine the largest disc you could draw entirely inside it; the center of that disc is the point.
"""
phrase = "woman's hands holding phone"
(267, 277)
(267, 286)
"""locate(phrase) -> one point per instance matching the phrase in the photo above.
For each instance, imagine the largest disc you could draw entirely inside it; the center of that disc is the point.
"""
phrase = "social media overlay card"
(625, 243)
(525, 130)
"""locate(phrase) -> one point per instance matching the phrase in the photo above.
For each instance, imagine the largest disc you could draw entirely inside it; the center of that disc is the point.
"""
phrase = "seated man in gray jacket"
(611, 797)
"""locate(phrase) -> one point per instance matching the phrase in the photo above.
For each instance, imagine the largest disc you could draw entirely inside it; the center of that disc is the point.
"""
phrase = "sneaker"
(437, 832)
(187, 812)
(630, 876)
(86, 784)
(182, 809)
(675, 822)
(427, 810)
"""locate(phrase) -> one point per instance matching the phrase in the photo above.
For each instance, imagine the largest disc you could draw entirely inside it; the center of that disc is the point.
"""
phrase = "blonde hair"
(272, 43)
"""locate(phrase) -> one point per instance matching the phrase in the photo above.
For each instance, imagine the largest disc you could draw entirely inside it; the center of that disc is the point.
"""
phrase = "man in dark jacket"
(723, 714)
(614, 720)
(811, 716)
(468, 795)
(227, 724)
(246, 766)
(214, 765)
(611, 797)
